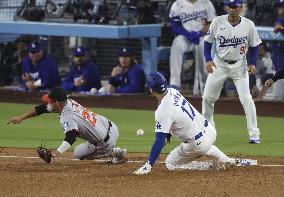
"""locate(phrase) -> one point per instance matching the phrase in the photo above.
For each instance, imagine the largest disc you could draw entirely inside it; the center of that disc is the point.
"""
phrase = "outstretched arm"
(154, 154)
(34, 112)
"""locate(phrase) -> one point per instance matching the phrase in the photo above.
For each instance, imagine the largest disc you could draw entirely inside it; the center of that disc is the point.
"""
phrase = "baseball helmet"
(55, 94)
(234, 3)
(157, 82)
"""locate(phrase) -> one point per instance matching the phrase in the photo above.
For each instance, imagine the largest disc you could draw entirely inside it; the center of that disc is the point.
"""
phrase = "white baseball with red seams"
(140, 132)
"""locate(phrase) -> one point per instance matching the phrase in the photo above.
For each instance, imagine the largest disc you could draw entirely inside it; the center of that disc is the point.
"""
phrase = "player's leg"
(241, 81)
(181, 156)
(278, 90)
(179, 47)
(200, 75)
(83, 150)
(212, 90)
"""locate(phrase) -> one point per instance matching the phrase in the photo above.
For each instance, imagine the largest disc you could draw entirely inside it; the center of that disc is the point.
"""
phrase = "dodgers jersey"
(232, 42)
(91, 126)
(192, 15)
(177, 116)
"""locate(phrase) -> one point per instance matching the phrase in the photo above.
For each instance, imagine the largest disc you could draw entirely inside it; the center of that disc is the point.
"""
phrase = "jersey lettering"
(190, 111)
(158, 125)
(90, 116)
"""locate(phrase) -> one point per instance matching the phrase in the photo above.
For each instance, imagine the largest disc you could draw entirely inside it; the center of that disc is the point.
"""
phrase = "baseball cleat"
(118, 155)
(254, 139)
(245, 162)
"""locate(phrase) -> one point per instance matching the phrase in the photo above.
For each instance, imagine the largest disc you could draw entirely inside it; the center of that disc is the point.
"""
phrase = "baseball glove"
(44, 154)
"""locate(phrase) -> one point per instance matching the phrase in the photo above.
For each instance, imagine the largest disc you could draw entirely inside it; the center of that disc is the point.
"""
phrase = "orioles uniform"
(100, 133)
(188, 19)
(232, 43)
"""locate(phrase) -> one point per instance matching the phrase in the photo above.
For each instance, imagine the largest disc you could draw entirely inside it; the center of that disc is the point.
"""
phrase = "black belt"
(230, 61)
(107, 136)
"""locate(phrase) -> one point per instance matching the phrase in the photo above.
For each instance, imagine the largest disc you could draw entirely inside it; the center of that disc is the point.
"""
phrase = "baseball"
(140, 132)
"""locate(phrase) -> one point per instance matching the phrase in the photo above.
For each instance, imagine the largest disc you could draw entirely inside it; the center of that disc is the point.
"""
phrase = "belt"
(230, 61)
(108, 131)
(200, 134)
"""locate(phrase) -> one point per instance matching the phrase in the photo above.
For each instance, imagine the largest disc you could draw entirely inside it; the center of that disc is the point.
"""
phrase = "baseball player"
(39, 69)
(278, 75)
(277, 50)
(233, 35)
(77, 121)
(83, 74)
(176, 116)
(190, 20)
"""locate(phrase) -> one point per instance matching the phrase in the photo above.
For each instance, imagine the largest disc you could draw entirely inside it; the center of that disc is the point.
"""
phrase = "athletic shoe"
(254, 139)
(245, 162)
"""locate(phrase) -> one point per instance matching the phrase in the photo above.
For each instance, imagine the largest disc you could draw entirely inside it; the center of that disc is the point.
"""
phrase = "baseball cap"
(55, 94)
(233, 3)
(157, 82)
(79, 51)
(34, 47)
(125, 52)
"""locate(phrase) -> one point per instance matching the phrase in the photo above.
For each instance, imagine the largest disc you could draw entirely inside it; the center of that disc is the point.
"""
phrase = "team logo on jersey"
(234, 42)
(65, 126)
(185, 17)
(158, 125)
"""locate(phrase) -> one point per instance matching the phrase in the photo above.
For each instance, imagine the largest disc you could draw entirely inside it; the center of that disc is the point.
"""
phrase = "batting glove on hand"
(145, 169)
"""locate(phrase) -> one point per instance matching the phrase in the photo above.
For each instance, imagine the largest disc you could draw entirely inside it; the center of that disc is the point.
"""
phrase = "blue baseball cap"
(125, 52)
(233, 3)
(34, 47)
(157, 82)
(79, 51)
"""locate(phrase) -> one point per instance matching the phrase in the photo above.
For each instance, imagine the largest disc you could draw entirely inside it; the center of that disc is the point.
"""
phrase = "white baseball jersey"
(91, 126)
(192, 15)
(232, 42)
(177, 116)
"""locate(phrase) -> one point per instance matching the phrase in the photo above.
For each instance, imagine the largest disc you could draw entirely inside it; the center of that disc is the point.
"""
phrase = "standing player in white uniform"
(176, 116)
(233, 35)
(190, 20)
(77, 121)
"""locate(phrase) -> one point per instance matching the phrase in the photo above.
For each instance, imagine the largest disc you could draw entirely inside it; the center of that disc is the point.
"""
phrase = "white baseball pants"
(187, 152)
(214, 86)
(179, 47)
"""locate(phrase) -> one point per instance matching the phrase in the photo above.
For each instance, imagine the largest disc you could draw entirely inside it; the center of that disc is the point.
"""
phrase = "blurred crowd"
(30, 67)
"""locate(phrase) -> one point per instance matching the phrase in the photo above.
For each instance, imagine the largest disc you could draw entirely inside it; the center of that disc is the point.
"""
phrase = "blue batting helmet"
(157, 82)
(235, 3)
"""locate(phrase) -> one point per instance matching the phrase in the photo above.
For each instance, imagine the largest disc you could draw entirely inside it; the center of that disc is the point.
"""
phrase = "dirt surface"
(32, 177)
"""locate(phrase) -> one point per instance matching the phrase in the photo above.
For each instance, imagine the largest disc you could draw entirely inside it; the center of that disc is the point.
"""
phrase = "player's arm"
(278, 75)
(70, 138)
(252, 59)
(36, 111)
(154, 154)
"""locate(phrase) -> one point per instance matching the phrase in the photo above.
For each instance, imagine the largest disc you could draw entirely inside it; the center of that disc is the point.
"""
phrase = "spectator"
(39, 70)
(277, 50)
(264, 71)
(190, 20)
(127, 76)
(83, 75)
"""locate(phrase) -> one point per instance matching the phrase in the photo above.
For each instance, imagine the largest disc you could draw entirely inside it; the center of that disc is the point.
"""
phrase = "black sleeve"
(40, 109)
(278, 75)
(70, 136)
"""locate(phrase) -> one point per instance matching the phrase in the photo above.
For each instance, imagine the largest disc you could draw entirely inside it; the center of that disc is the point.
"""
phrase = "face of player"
(79, 60)
(125, 62)
(36, 56)
(234, 11)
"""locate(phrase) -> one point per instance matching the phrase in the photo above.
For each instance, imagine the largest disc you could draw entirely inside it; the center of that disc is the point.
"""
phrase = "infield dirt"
(32, 177)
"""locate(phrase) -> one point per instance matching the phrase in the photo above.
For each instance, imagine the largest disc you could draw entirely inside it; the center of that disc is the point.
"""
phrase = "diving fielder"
(77, 121)
(176, 116)
(190, 20)
(233, 36)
